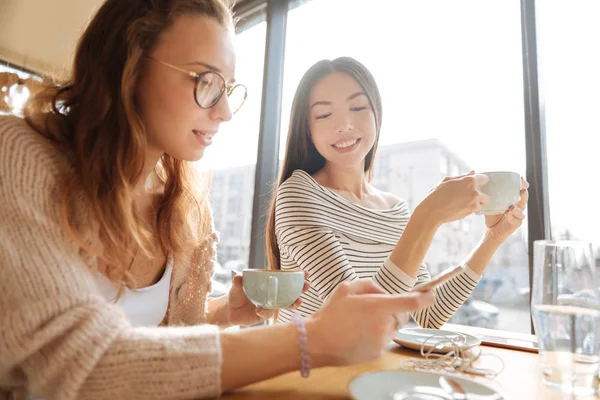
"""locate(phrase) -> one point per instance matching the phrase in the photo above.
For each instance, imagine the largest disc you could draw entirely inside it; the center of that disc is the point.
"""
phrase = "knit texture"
(59, 338)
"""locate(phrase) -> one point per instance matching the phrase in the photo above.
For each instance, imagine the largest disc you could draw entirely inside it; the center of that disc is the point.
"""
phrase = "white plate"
(398, 384)
(413, 338)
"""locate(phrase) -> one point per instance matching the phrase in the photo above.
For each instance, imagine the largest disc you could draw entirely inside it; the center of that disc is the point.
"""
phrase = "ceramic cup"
(503, 188)
(272, 288)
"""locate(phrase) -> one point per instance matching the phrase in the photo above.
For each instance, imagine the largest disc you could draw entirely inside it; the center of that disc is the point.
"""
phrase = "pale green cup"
(503, 188)
(268, 288)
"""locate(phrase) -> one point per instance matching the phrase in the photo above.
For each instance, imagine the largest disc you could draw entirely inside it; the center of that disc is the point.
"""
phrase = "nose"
(221, 110)
(344, 125)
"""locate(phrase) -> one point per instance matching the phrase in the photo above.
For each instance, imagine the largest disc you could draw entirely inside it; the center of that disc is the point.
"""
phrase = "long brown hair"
(301, 152)
(93, 118)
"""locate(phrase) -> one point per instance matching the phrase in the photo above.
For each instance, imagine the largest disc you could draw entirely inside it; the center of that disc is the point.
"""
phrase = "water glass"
(566, 315)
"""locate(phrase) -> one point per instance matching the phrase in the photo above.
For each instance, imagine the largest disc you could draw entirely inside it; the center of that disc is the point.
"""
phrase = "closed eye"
(323, 116)
(358, 108)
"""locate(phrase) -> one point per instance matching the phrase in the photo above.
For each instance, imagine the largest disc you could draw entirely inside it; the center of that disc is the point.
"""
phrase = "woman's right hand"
(358, 321)
(455, 198)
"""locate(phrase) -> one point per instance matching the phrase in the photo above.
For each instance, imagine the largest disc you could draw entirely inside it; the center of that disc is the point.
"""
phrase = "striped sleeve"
(449, 296)
(319, 252)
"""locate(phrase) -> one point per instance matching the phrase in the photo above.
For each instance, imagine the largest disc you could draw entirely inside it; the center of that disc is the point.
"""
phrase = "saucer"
(414, 338)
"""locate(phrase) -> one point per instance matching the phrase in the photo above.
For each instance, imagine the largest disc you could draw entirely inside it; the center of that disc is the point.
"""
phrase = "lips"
(204, 137)
(346, 143)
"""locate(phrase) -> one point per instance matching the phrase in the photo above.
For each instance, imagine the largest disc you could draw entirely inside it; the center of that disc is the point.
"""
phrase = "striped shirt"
(336, 240)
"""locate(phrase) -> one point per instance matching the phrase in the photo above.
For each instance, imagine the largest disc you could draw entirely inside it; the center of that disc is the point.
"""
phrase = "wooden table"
(521, 378)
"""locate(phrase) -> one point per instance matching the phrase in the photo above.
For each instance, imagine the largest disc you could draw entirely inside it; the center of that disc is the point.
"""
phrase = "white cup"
(503, 188)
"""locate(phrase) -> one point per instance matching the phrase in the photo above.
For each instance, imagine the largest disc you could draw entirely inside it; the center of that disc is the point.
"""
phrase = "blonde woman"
(104, 235)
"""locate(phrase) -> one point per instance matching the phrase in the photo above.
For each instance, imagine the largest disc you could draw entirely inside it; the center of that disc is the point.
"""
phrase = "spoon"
(453, 388)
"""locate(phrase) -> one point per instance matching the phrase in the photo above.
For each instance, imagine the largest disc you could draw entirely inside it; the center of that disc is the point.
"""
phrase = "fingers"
(403, 303)
(264, 313)
(523, 199)
(448, 178)
(397, 321)
(484, 198)
(237, 281)
(401, 319)
(306, 282)
(515, 215)
(306, 286)
(524, 183)
(480, 179)
(518, 213)
(364, 286)
(471, 172)
(296, 304)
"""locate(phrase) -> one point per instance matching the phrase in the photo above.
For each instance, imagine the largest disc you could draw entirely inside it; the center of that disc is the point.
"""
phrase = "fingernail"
(262, 313)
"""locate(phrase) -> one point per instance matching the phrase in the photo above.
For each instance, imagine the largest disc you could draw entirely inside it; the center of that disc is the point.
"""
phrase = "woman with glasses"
(328, 220)
(107, 243)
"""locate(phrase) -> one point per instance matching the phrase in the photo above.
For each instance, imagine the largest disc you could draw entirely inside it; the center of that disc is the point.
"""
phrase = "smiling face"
(342, 123)
(175, 124)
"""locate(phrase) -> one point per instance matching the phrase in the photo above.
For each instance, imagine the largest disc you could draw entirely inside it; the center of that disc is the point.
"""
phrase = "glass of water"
(566, 315)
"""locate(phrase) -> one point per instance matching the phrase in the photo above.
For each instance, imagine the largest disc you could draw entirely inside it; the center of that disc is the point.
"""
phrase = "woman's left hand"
(241, 311)
(501, 226)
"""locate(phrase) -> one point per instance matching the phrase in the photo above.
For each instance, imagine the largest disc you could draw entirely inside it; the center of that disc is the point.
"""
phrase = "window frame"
(275, 13)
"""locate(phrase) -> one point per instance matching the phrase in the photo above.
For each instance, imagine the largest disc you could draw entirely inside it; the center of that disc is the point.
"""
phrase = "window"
(236, 182)
(14, 93)
(230, 228)
(234, 205)
(381, 175)
(454, 98)
(216, 204)
(382, 166)
(233, 165)
(218, 182)
(444, 165)
(569, 35)
(454, 170)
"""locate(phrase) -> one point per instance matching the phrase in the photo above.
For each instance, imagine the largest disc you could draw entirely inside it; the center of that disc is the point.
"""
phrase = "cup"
(503, 188)
(269, 288)
(566, 315)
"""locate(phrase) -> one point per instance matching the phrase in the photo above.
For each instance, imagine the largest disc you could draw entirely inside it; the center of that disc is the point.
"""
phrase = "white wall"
(41, 35)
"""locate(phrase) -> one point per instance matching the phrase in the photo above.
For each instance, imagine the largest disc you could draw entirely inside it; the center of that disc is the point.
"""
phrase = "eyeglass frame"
(226, 88)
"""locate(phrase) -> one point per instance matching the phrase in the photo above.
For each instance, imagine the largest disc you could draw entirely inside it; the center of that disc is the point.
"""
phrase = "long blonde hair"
(93, 118)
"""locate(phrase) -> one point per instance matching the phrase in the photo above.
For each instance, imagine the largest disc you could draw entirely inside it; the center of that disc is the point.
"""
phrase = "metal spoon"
(453, 388)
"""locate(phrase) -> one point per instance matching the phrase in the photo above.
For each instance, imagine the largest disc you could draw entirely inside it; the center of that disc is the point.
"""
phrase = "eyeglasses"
(210, 86)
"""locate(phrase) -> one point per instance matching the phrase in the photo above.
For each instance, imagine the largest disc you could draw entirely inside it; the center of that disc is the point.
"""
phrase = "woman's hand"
(454, 198)
(501, 226)
(358, 321)
(240, 309)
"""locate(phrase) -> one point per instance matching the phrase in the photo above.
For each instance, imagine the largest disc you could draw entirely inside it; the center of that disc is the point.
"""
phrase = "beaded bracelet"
(304, 362)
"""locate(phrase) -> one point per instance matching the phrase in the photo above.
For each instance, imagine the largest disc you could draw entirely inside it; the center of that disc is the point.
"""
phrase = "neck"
(350, 179)
(140, 192)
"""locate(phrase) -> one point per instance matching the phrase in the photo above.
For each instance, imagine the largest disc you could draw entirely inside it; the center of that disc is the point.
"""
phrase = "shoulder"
(301, 201)
(299, 180)
(26, 156)
(300, 186)
(390, 199)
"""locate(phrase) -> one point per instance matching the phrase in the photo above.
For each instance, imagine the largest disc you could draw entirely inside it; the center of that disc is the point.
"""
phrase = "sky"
(452, 71)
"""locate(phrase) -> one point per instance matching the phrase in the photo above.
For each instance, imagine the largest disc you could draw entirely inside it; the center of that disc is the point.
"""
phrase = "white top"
(143, 306)
(336, 240)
